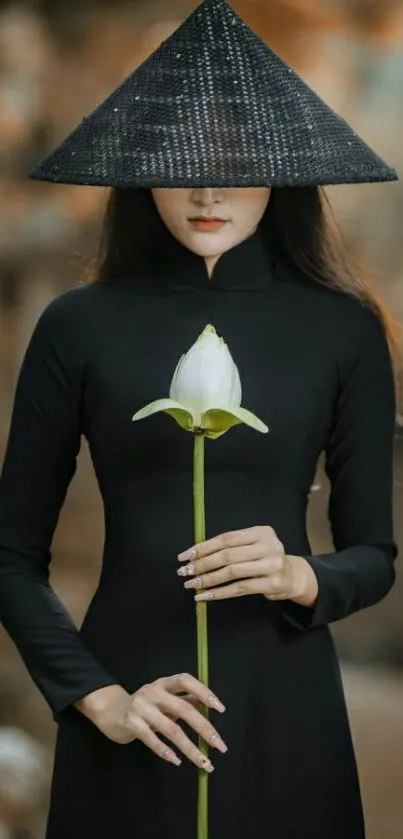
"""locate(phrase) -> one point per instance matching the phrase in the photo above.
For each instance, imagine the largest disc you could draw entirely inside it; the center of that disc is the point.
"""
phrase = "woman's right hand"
(153, 710)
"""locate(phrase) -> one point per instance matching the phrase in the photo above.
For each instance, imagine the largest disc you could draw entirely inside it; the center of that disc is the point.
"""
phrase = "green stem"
(201, 617)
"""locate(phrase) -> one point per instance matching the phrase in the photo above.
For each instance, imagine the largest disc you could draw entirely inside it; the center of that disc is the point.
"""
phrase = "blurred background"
(58, 61)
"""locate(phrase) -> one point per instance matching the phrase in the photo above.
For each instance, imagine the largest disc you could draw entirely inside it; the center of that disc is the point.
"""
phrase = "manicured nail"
(186, 571)
(187, 555)
(207, 595)
(196, 583)
(172, 757)
(215, 703)
(206, 764)
(218, 743)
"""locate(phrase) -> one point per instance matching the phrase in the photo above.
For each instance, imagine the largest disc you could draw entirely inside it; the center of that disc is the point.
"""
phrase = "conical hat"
(213, 106)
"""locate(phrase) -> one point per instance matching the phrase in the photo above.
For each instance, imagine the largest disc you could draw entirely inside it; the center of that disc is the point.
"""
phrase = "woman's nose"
(205, 196)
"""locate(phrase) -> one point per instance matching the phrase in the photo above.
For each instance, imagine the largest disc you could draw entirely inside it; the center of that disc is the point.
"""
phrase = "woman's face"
(211, 221)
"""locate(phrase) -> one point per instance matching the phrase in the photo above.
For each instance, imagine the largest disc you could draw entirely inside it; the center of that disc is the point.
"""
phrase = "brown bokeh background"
(58, 60)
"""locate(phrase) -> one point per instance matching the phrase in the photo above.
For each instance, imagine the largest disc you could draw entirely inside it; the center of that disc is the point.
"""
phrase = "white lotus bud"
(206, 377)
(206, 391)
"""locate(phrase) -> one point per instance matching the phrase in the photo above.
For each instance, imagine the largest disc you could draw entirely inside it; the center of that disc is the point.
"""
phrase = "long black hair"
(298, 224)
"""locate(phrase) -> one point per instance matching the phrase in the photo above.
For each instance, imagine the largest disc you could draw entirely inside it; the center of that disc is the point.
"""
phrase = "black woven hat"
(213, 106)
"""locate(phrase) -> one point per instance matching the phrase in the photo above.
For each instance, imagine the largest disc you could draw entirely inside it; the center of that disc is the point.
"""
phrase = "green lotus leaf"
(167, 406)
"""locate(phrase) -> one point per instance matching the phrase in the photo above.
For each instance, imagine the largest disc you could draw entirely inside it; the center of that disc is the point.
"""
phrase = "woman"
(235, 243)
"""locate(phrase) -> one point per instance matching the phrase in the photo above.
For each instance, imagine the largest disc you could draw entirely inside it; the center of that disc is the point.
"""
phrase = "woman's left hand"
(251, 561)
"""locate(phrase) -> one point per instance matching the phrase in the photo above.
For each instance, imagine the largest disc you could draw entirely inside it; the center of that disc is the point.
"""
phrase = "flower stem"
(201, 618)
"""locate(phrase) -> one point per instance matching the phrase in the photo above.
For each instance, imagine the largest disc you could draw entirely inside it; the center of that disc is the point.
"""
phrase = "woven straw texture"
(213, 106)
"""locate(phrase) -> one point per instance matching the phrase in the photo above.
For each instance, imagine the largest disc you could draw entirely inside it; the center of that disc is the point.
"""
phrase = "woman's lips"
(207, 225)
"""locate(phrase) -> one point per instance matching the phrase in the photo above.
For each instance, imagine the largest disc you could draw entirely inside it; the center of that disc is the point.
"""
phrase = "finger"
(185, 683)
(191, 700)
(258, 585)
(231, 539)
(177, 736)
(259, 568)
(147, 736)
(174, 706)
(228, 556)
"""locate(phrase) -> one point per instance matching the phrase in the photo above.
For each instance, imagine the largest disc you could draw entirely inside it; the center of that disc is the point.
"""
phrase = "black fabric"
(213, 106)
(315, 366)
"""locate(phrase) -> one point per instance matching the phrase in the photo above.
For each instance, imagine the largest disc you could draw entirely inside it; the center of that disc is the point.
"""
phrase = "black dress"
(315, 367)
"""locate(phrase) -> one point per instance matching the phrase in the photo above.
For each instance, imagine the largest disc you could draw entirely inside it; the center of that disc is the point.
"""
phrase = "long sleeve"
(39, 464)
(359, 465)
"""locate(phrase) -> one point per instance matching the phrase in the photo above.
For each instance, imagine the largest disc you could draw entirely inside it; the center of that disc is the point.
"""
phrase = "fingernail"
(189, 554)
(196, 583)
(206, 764)
(218, 743)
(208, 595)
(215, 702)
(172, 757)
(186, 571)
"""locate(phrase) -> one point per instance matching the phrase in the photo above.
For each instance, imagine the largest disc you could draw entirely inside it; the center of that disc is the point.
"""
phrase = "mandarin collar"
(249, 266)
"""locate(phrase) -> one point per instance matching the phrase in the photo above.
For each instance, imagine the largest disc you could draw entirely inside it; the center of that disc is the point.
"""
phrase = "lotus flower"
(206, 393)
(205, 398)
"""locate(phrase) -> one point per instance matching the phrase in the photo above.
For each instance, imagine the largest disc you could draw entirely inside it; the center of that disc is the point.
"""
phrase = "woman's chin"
(209, 244)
